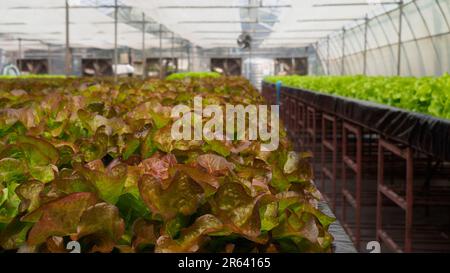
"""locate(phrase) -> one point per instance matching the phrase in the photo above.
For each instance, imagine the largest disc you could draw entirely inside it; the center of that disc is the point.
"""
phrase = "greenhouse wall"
(425, 43)
(258, 63)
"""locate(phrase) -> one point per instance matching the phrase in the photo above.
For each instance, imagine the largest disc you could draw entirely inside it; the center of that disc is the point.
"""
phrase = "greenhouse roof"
(205, 23)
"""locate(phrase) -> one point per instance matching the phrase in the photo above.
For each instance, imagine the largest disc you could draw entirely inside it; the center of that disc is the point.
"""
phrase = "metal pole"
(68, 61)
(278, 90)
(399, 49)
(172, 55)
(328, 55)
(366, 27)
(343, 52)
(160, 52)
(49, 59)
(189, 56)
(250, 63)
(116, 9)
(144, 58)
(20, 55)
(319, 58)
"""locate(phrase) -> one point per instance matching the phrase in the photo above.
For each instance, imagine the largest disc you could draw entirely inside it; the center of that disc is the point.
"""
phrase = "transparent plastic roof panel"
(204, 23)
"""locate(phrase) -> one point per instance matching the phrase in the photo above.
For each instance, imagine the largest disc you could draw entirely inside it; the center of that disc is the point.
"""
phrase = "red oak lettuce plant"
(93, 161)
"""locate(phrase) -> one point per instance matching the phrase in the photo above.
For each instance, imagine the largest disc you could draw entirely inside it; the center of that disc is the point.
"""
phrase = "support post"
(160, 53)
(172, 55)
(188, 46)
(343, 52)
(116, 11)
(278, 88)
(144, 58)
(68, 56)
(400, 29)
(328, 55)
(366, 28)
(19, 61)
(49, 59)
(250, 62)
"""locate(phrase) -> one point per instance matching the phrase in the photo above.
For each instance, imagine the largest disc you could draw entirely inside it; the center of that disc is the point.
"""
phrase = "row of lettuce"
(174, 76)
(94, 161)
(427, 95)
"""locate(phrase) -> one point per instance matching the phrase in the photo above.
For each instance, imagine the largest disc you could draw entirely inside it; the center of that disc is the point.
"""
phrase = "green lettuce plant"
(427, 95)
(193, 75)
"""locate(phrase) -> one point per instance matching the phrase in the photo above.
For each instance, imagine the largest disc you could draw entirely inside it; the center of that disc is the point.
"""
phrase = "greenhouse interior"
(92, 158)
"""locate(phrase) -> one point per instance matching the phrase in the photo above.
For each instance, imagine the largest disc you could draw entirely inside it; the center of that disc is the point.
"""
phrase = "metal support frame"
(172, 53)
(188, 51)
(366, 29)
(343, 52)
(328, 55)
(399, 48)
(49, 59)
(293, 115)
(283, 105)
(116, 14)
(319, 58)
(401, 5)
(160, 52)
(68, 53)
(356, 167)
(311, 126)
(144, 58)
(405, 203)
(330, 146)
(287, 112)
(19, 60)
(354, 145)
(300, 122)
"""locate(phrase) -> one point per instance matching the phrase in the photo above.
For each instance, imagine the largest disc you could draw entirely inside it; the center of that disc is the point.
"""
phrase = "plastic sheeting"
(206, 23)
(425, 36)
(272, 23)
(425, 40)
(44, 21)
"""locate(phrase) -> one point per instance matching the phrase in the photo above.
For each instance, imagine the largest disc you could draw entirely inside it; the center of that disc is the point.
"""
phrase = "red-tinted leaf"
(182, 196)
(191, 238)
(215, 164)
(103, 221)
(60, 217)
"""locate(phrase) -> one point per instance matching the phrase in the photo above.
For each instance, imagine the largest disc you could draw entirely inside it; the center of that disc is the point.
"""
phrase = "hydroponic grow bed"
(366, 153)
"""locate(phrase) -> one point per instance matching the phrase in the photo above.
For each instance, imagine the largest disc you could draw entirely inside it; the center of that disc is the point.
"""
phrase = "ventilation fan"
(244, 41)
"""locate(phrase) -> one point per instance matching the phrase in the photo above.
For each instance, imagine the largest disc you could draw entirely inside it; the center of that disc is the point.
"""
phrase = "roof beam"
(229, 22)
(314, 30)
(226, 7)
(330, 20)
(229, 31)
(71, 7)
(262, 38)
(367, 3)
